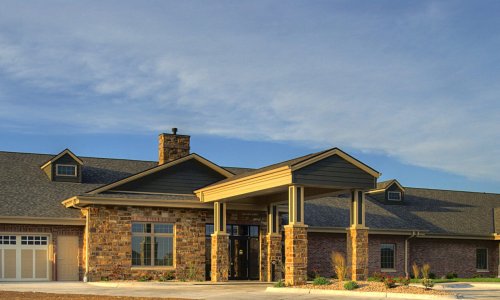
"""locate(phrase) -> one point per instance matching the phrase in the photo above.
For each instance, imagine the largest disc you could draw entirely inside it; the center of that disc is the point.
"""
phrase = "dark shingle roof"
(435, 211)
(25, 190)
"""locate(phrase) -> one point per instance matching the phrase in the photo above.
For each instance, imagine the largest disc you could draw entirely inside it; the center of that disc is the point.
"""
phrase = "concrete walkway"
(202, 290)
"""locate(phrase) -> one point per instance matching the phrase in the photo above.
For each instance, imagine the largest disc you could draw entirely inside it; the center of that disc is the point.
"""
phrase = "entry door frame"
(246, 241)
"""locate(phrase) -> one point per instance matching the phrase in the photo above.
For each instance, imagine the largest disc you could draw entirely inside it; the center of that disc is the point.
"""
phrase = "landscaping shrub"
(403, 280)
(451, 275)
(321, 281)
(350, 285)
(428, 283)
(166, 276)
(339, 265)
(144, 277)
(426, 269)
(379, 276)
(416, 270)
(389, 282)
(280, 284)
(432, 275)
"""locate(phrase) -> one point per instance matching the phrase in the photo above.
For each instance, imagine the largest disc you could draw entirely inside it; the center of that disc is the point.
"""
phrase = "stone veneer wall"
(110, 241)
(55, 231)
(296, 254)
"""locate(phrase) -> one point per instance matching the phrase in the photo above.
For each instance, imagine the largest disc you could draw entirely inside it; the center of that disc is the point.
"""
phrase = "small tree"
(426, 269)
(416, 270)
(339, 266)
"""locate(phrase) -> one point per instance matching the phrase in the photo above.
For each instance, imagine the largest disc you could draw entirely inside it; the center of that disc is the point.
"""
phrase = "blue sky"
(410, 87)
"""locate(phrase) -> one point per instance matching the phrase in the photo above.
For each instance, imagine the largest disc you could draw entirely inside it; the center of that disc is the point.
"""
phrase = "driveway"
(228, 291)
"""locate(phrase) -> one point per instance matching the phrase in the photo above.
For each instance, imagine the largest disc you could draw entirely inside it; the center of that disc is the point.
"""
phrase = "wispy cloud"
(416, 83)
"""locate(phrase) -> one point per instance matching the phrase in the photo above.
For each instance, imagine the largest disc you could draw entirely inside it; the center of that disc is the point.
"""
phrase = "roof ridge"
(92, 157)
(446, 190)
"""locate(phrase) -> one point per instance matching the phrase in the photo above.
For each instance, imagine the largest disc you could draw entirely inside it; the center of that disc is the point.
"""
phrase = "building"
(64, 217)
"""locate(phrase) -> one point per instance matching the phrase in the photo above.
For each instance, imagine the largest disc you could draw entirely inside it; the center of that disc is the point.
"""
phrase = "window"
(7, 239)
(387, 256)
(66, 170)
(152, 244)
(482, 259)
(394, 196)
(33, 240)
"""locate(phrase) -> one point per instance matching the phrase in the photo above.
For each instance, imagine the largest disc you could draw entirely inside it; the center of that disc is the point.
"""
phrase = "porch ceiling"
(321, 174)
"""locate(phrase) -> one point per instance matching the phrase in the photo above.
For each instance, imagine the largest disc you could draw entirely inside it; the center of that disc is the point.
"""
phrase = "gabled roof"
(158, 168)
(26, 192)
(61, 154)
(384, 185)
(303, 161)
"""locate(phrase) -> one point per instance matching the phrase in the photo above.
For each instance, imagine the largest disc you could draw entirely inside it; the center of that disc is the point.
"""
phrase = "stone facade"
(172, 147)
(274, 257)
(357, 253)
(220, 257)
(110, 242)
(54, 231)
(296, 254)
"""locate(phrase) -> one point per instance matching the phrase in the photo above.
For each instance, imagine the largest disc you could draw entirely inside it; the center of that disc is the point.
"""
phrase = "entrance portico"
(289, 184)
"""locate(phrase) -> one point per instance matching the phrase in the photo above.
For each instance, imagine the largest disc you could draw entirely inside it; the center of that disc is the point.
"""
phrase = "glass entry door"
(243, 251)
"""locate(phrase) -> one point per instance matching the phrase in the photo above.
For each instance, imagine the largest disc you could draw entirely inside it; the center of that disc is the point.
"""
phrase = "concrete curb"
(358, 294)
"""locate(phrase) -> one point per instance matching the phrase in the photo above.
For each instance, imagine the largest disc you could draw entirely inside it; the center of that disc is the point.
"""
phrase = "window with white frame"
(388, 256)
(393, 196)
(66, 170)
(152, 244)
(482, 259)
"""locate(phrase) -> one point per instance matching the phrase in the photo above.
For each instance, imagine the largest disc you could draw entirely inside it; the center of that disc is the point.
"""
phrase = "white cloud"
(324, 76)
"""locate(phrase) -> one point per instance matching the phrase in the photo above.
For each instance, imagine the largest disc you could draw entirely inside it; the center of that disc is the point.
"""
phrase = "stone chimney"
(172, 146)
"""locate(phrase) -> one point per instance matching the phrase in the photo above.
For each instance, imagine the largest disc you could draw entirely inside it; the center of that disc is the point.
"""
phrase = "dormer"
(388, 192)
(64, 167)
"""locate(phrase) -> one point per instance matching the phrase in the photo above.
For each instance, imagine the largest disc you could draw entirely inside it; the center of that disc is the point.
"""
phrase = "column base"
(220, 257)
(296, 254)
(357, 253)
(274, 263)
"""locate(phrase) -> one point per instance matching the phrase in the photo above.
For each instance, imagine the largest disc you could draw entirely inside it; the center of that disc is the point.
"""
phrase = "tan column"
(296, 238)
(357, 238)
(220, 245)
(273, 239)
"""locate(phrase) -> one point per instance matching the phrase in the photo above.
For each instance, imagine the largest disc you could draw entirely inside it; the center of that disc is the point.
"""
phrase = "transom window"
(66, 170)
(152, 244)
(7, 239)
(387, 256)
(482, 259)
(394, 196)
(33, 240)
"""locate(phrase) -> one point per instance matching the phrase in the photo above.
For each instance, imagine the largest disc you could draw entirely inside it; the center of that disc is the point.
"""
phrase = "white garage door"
(24, 257)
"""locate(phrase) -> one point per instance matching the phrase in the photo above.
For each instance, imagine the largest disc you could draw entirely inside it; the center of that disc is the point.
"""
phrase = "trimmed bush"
(428, 283)
(351, 285)
(451, 275)
(280, 284)
(321, 281)
(389, 282)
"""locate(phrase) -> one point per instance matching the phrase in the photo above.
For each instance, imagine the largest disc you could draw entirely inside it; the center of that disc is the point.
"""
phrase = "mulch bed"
(47, 296)
(372, 286)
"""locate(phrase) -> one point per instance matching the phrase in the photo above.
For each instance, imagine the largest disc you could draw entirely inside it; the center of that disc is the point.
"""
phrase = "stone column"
(273, 243)
(357, 253)
(357, 238)
(296, 254)
(295, 238)
(274, 257)
(220, 245)
(220, 257)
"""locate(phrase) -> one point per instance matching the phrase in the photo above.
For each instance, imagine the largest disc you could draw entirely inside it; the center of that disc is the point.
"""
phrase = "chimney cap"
(174, 131)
